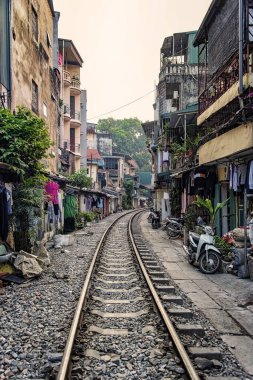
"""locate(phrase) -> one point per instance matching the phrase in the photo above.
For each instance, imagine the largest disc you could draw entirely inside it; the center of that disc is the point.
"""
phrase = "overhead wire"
(125, 105)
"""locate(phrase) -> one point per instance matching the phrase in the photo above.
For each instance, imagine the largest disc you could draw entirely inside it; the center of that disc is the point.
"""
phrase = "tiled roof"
(92, 154)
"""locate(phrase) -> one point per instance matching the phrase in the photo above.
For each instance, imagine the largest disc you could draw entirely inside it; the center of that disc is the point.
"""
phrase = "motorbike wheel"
(173, 230)
(212, 265)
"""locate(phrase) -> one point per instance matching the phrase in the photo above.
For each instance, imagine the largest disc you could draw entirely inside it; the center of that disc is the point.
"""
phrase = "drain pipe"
(241, 3)
(241, 29)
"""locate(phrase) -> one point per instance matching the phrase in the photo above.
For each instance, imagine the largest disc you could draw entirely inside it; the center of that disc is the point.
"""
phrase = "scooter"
(202, 251)
(156, 219)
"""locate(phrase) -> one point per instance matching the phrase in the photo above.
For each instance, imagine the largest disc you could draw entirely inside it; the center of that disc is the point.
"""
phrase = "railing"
(75, 148)
(75, 115)
(66, 76)
(220, 85)
(75, 83)
(66, 109)
(163, 177)
(72, 147)
(178, 69)
(5, 99)
(113, 172)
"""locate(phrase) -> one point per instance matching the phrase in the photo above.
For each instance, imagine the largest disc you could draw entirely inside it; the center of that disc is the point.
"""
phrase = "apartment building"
(70, 63)
(225, 56)
(29, 74)
(175, 110)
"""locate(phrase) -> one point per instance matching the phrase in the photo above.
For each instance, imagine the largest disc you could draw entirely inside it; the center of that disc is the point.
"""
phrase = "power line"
(125, 105)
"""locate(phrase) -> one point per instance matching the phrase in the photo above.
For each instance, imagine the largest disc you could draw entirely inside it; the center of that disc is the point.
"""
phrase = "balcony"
(66, 78)
(66, 112)
(162, 179)
(5, 99)
(74, 148)
(75, 119)
(222, 90)
(75, 87)
(113, 172)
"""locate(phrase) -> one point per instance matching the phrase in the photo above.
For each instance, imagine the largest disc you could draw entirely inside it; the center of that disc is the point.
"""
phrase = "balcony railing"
(72, 147)
(75, 148)
(66, 76)
(113, 172)
(219, 85)
(5, 99)
(66, 109)
(75, 83)
(75, 115)
(163, 177)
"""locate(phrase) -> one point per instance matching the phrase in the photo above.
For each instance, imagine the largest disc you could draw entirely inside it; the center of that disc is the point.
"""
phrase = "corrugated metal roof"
(192, 51)
(145, 177)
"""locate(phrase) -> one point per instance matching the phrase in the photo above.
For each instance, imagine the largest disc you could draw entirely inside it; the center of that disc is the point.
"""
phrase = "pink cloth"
(52, 189)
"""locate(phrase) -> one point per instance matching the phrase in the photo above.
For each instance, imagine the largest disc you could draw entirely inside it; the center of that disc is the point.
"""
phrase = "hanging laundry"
(94, 202)
(52, 190)
(88, 203)
(50, 210)
(235, 178)
(249, 177)
(4, 215)
(165, 156)
(60, 206)
(242, 172)
(231, 176)
(100, 203)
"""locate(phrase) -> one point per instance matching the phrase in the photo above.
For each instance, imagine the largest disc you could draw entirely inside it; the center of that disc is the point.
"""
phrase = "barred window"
(35, 27)
(35, 97)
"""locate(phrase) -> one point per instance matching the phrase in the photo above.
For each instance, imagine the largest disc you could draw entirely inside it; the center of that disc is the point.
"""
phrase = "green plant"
(223, 247)
(80, 179)
(24, 140)
(191, 217)
(82, 218)
(175, 201)
(27, 214)
(127, 198)
(207, 204)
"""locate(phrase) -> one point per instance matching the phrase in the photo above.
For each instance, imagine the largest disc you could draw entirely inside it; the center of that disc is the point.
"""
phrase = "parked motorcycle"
(201, 251)
(150, 215)
(174, 227)
(156, 219)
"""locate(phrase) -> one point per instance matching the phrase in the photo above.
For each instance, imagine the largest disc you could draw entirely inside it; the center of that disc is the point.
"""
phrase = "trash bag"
(41, 253)
(63, 240)
(28, 265)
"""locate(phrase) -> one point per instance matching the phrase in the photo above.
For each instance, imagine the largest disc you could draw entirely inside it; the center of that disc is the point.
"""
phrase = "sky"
(120, 42)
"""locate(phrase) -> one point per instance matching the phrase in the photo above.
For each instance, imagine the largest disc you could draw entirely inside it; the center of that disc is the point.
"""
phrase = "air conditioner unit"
(175, 94)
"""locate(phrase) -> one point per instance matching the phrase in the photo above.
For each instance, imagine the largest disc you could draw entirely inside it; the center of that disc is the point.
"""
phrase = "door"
(72, 107)
(72, 139)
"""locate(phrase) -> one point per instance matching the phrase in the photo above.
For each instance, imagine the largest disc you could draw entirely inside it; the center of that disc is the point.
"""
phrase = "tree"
(24, 140)
(207, 204)
(127, 198)
(80, 179)
(128, 138)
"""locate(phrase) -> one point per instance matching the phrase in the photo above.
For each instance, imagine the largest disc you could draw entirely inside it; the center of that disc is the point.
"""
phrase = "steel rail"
(64, 367)
(176, 340)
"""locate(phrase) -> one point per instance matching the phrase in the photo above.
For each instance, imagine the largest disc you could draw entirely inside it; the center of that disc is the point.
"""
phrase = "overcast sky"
(120, 41)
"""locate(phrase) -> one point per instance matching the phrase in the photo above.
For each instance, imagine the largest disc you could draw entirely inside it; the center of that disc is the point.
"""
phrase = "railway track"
(119, 330)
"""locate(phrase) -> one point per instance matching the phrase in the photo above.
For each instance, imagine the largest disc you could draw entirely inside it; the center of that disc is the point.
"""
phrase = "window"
(35, 27)
(35, 97)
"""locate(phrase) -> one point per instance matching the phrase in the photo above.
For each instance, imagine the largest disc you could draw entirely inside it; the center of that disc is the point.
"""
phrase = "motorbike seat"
(195, 236)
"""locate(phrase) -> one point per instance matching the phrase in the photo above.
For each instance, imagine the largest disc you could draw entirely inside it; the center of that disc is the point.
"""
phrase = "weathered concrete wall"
(187, 81)
(32, 60)
(104, 144)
